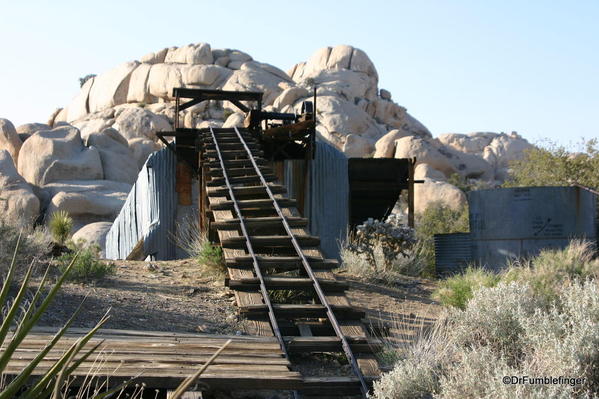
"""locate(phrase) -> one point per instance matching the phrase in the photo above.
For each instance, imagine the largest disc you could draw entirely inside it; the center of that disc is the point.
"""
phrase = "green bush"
(61, 225)
(86, 267)
(437, 219)
(194, 241)
(457, 290)
(553, 165)
(211, 256)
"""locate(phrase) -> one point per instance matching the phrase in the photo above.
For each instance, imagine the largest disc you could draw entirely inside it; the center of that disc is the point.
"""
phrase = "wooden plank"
(256, 203)
(240, 180)
(284, 262)
(258, 222)
(235, 172)
(305, 310)
(236, 163)
(270, 241)
(285, 283)
(247, 190)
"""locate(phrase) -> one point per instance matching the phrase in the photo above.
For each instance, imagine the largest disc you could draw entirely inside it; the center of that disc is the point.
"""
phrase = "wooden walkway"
(165, 359)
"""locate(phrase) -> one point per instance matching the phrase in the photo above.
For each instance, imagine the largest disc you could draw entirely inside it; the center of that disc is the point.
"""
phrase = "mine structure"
(266, 244)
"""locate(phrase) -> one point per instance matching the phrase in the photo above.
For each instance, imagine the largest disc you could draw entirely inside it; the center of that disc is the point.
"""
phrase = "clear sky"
(457, 66)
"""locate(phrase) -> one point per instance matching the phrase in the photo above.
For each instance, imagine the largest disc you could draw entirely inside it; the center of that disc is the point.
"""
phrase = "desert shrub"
(419, 366)
(437, 219)
(86, 265)
(380, 250)
(492, 318)
(506, 330)
(390, 237)
(457, 290)
(211, 256)
(34, 246)
(61, 225)
(194, 241)
(467, 184)
(548, 272)
(550, 164)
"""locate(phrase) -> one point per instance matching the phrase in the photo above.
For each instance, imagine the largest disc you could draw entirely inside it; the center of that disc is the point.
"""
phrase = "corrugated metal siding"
(148, 212)
(326, 202)
(509, 223)
(453, 252)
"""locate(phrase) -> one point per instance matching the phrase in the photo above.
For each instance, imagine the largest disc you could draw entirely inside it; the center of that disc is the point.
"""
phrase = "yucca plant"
(21, 317)
(60, 226)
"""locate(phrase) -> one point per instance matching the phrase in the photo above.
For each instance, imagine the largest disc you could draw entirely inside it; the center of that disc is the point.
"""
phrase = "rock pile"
(86, 157)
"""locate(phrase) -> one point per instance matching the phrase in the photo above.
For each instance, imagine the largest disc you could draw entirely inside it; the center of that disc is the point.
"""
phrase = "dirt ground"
(157, 296)
(180, 296)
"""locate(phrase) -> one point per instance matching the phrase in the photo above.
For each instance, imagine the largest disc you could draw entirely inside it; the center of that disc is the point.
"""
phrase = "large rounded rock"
(94, 234)
(92, 125)
(110, 88)
(142, 148)
(424, 171)
(17, 200)
(385, 146)
(357, 146)
(234, 120)
(137, 122)
(58, 154)
(425, 152)
(118, 161)
(435, 192)
(338, 115)
(255, 79)
(290, 96)
(25, 131)
(506, 148)
(138, 85)
(204, 75)
(473, 143)
(163, 78)
(9, 139)
(191, 54)
(86, 201)
(79, 107)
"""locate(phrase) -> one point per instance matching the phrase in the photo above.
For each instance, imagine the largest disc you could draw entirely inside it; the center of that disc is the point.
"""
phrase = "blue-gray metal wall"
(510, 223)
(326, 199)
(148, 212)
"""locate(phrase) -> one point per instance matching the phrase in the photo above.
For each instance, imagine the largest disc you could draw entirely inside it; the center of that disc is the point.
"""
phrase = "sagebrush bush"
(548, 272)
(61, 225)
(457, 290)
(35, 246)
(506, 330)
(87, 266)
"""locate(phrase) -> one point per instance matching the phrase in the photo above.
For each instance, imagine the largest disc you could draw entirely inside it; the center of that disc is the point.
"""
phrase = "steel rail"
(250, 249)
(332, 318)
